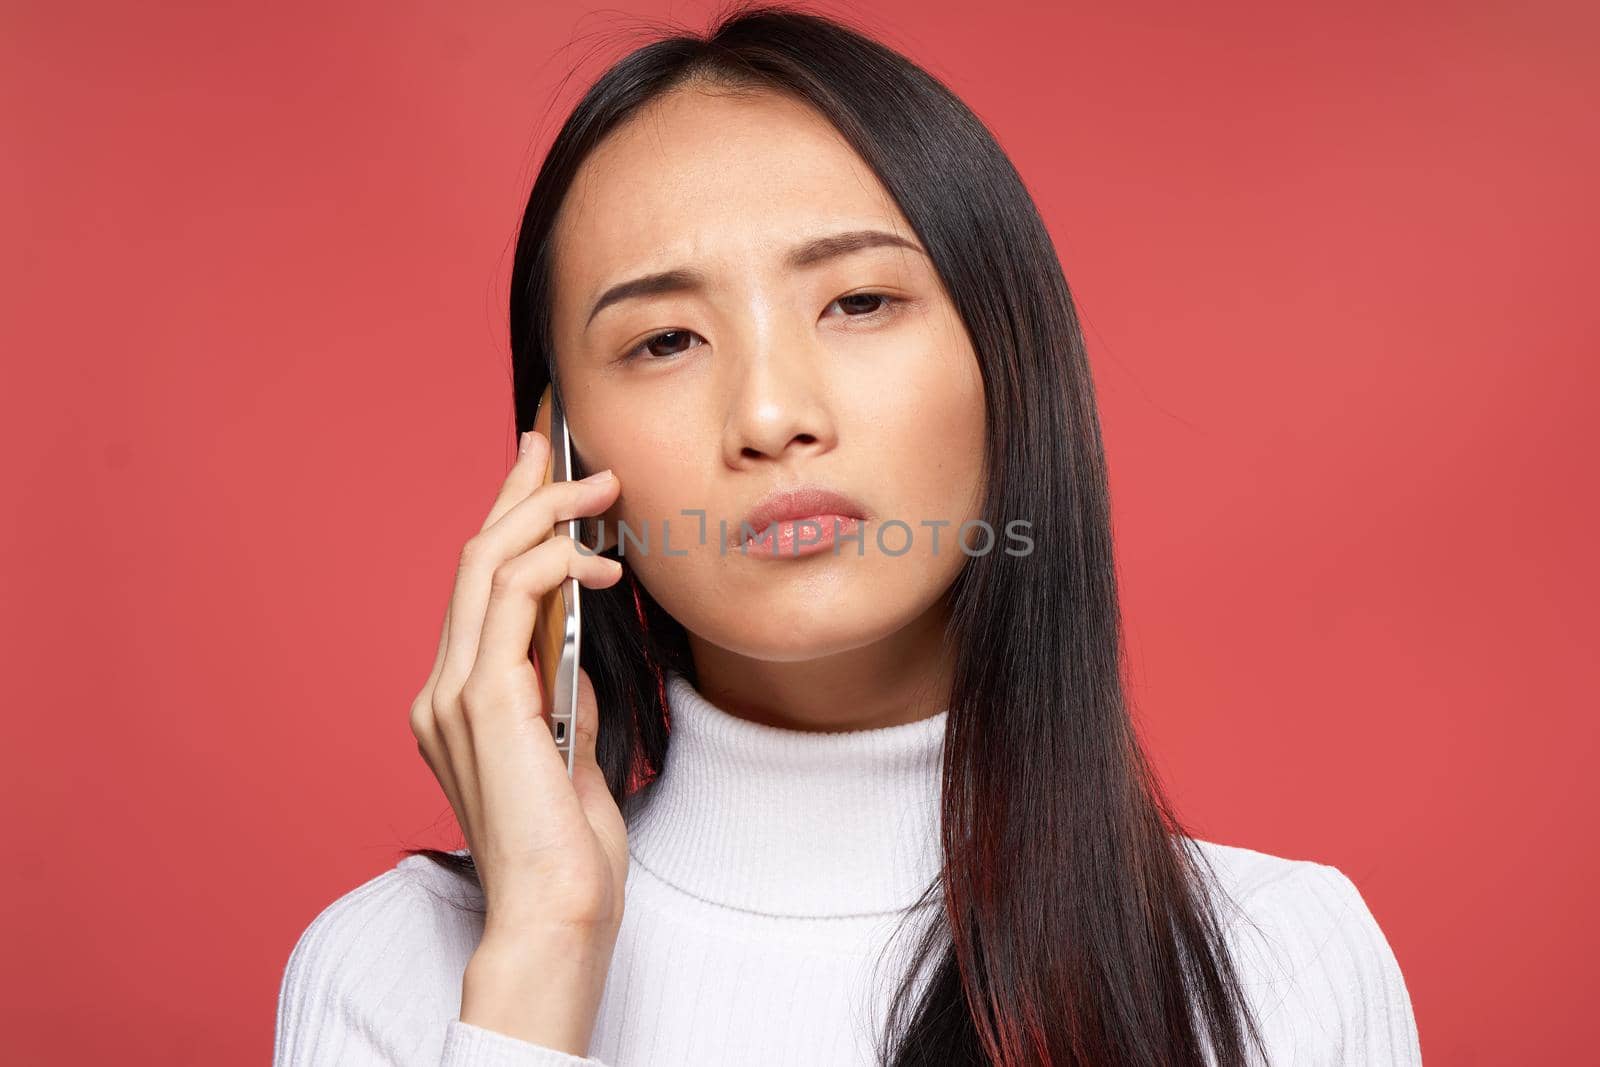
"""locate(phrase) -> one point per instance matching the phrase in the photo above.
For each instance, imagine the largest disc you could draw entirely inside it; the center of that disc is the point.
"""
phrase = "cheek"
(931, 434)
(648, 455)
(642, 502)
(656, 487)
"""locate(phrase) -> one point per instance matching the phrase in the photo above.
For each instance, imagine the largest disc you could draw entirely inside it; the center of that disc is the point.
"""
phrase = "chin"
(784, 611)
(793, 646)
(800, 630)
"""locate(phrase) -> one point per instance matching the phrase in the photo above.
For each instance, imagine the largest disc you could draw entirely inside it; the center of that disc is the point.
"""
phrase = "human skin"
(768, 377)
(551, 852)
(854, 373)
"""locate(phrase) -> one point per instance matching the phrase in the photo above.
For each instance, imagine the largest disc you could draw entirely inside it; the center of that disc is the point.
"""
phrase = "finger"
(517, 807)
(587, 728)
(531, 470)
(443, 739)
(454, 761)
(444, 643)
(531, 519)
(587, 778)
(528, 523)
(515, 591)
(519, 769)
(438, 657)
(430, 745)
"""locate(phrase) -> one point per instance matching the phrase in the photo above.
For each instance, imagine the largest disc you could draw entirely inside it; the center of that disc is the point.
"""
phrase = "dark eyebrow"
(809, 254)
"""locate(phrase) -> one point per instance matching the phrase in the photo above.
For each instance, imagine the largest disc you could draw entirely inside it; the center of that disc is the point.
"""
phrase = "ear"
(541, 417)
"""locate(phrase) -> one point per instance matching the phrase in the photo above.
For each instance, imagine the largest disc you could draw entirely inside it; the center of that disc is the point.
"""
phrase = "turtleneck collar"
(791, 822)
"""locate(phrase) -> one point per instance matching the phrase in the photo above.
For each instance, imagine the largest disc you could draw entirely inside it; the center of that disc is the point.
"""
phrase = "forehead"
(702, 176)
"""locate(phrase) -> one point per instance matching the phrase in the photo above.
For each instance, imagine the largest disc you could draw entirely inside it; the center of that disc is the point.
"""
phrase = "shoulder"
(1316, 966)
(377, 972)
(415, 906)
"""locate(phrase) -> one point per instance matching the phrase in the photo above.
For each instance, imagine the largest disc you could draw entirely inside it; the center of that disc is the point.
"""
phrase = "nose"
(778, 407)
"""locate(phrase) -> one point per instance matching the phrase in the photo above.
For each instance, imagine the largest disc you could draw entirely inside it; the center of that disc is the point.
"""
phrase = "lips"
(800, 502)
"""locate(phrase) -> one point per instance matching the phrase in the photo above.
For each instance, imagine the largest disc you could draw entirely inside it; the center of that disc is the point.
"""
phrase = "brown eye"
(672, 341)
(857, 304)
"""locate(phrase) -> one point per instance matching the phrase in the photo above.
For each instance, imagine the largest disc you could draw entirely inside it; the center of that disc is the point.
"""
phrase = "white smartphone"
(557, 630)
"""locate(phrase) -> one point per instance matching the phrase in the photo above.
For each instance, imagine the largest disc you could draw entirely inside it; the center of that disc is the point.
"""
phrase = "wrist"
(544, 989)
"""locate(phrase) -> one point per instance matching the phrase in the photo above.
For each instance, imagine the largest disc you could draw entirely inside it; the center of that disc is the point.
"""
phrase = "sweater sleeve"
(466, 1045)
(1328, 986)
(375, 981)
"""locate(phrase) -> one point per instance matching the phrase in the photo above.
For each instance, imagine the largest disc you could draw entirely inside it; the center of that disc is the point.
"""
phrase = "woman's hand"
(551, 851)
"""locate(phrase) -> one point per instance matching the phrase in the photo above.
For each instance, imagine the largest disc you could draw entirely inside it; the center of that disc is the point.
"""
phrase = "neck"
(904, 677)
(792, 822)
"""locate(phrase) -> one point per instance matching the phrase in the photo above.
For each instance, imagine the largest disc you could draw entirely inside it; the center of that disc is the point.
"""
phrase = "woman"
(879, 803)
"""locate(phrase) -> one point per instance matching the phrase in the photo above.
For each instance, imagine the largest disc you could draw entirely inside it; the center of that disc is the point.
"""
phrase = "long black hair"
(1077, 925)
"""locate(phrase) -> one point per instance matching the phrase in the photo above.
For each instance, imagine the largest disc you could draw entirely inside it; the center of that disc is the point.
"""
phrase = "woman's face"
(849, 371)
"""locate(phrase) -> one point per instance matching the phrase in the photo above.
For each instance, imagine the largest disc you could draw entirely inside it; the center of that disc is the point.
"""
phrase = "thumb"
(589, 783)
(588, 727)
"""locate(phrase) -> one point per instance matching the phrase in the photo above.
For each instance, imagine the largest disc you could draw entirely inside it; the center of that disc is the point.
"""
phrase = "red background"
(1336, 269)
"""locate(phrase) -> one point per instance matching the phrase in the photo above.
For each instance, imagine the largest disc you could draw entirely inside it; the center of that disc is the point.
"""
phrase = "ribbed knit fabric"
(769, 870)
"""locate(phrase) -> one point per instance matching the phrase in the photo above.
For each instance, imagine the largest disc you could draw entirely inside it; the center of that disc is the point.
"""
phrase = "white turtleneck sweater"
(768, 869)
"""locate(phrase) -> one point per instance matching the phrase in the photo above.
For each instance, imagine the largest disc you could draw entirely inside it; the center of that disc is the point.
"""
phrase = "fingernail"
(599, 476)
(524, 442)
